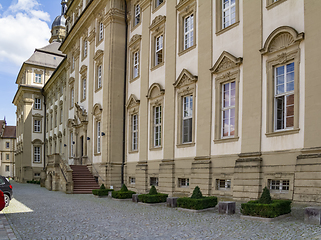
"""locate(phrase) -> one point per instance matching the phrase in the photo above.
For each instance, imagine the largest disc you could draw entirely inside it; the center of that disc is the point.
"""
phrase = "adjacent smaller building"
(7, 149)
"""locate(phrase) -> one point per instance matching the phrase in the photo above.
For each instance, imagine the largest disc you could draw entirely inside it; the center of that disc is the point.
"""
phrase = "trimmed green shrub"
(153, 190)
(197, 203)
(265, 197)
(197, 194)
(123, 193)
(274, 209)
(153, 196)
(102, 187)
(101, 192)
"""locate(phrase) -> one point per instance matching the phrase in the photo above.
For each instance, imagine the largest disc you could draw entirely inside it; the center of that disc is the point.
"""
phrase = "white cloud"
(23, 28)
(0, 6)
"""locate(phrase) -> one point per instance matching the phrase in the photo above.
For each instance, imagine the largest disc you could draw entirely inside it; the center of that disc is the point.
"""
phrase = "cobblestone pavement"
(37, 213)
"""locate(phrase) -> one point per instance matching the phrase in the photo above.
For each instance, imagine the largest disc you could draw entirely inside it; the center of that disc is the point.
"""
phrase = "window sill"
(186, 50)
(98, 89)
(226, 140)
(97, 154)
(82, 100)
(134, 79)
(84, 57)
(158, 7)
(157, 66)
(136, 26)
(283, 132)
(155, 148)
(184, 145)
(221, 31)
(37, 162)
(272, 5)
(99, 42)
(133, 151)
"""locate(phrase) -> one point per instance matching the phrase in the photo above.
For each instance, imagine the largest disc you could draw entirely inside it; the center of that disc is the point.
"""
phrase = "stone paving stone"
(38, 213)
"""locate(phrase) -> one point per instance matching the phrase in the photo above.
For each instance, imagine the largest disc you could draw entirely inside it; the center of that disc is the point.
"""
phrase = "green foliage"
(197, 194)
(102, 187)
(34, 182)
(265, 197)
(153, 198)
(101, 192)
(197, 203)
(122, 194)
(123, 188)
(152, 190)
(274, 209)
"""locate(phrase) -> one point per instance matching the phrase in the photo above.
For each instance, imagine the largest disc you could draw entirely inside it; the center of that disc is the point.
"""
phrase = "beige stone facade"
(7, 149)
(195, 93)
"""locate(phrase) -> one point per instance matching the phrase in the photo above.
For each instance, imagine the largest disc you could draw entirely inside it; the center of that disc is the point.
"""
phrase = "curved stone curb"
(153, 204)
(196, 211)
(262, 219)
(125, 199)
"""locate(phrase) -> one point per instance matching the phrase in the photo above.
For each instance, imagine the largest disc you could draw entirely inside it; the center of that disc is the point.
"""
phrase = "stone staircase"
(84, 181)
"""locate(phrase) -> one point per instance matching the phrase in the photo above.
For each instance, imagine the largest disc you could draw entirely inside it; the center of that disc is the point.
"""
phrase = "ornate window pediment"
(281, 38)
(37, 141)
(99, 53)
(159, 20)
(134, 40)
(155, 91)
(83, 69)
(97, 110)
(225, 62)
(71, 80)
(132, 101)
(184, 79)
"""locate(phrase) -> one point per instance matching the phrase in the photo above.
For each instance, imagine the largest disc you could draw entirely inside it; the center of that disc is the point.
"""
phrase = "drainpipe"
(124, 95)
(44, 131)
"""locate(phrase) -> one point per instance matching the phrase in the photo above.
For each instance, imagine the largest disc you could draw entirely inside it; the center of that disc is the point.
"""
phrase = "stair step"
(84, 182)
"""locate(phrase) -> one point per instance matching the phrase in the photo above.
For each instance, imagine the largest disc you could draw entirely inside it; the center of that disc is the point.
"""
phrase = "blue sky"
(24, 26)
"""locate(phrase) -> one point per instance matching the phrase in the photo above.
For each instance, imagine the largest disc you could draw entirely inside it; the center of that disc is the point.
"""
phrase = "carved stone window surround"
(134, 46)
(157, 28)
(132, 105)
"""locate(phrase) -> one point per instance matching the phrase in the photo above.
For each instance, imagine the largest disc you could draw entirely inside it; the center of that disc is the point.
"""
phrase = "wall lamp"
(65, 145)
(73, 142)
(103, 134)
(88, 138)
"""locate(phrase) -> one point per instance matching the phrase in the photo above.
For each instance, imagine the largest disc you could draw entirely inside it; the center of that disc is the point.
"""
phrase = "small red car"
(2, 201)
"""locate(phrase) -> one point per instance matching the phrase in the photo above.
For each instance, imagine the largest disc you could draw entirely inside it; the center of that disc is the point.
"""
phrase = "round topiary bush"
(197, 193)
(152, 190)
(123, 188)
(265, 197)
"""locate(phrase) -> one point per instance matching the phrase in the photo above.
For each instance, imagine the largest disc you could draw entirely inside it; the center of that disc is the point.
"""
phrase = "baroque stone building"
(220, 94)
(7, 149)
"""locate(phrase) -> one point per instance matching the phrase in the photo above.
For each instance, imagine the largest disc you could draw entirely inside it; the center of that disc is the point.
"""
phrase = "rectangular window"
(159, 50)
(101, 31)
(137, 14)
(279, 185)
(99, 76)
(228, 13)
(84, 89)
(98, 137)
(37, 175)
(37, 103)
(7, 168)
(55, 114)
(187, 124)
(7, 156)
(72, 97)
(71, 145)
(158, 2)
(134, 132)
(73, 63)
(132, 180)
(85, 48)
(183, 182)
(153, 181)
(157, 126)
(284, 97)
(61, 114)
(135, 64)
(37, 78)
(189, 31)
(7, 144)
(37, 126)
(36, 154)
(228, 109)
(223, 184)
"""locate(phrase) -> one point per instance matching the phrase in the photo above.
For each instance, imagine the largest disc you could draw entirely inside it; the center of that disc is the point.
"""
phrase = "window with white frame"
(101, 31)
(37, 125)
(159, 50)
(98, 136)
(136, 64)
(183, 182)
(84, 88)
(157, 126)
(134, 132)
(36, 154)
(55, 114)
(7, 156)
(284, 97)
(85, 48)
(37, 175)
(223, 184)
(7, 144)
(7, 168)
(158, 2)
(99, 72)
(73, 63)
(132, 180)
(153, 181)
(37, 78)
(228, 109)
(137, 14)
(37, 103)
(71, 97)
(188, 31)
(71, 145)
(187, 121)
(279, 185)
(228, 13)
(61, 114)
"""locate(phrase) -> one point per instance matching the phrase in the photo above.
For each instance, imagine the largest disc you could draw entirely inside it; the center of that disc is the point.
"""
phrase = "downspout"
(124, 95)
(44, 130)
